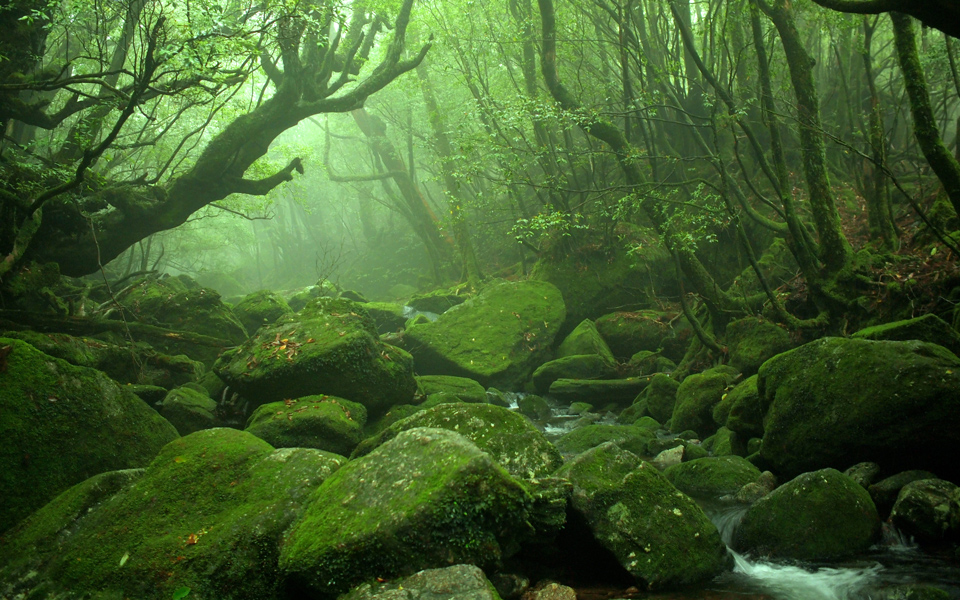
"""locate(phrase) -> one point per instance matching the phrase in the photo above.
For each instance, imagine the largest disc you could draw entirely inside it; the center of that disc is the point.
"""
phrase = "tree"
(296, 60)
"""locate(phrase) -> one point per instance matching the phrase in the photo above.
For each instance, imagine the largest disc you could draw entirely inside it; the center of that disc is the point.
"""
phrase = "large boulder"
(330, 347)
(123, 362)
(751, 341)
(323, 422)
(508, 437)
(259, 309)
(628, 437)
(389, 316)
(425, 499)
(928, 510)
(206, 516)
(585, 339)
(630, 332)
(60, 424)
(459, 389)
(712, 477)
(886, 491)
(497, 338)
(189, 410)
(835, 402)
(661, 396)
(742, 410)
(621, 392)
(658, 534)
(696, 398)
(822, 515)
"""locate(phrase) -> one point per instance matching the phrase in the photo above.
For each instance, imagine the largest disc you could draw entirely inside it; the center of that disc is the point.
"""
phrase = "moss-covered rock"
(463, 582)
(585, 339)
(658, 534)
(207, 514)
(696, 398)
(189, 410)
(712, 477)
(777, 265)
(497, 338)
(725, 442)
(661, 396)
(534, 407)
(836, 402)
(928, 510)
(462, 389)
(259, 309)
(822, 515)
(388, 316)
(628, 437)
(437, 301)
(741, 409)
(508, 437)
(575, 366)
(60, 424)
(126, 363)
(751, 341)
(619, 392)
(863, 473)
(885, 492)
(425, 499)
(928, 328)
(630, 332)
(330, 347)
(322, 422)
(647, 422)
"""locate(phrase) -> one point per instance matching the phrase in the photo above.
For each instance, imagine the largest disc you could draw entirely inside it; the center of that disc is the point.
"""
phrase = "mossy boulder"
(657, 533)
(508, 437)
(534, 407)
(388, 316)
(777, 265)
(697, 396)
(497, 338)
(259, 309)
(712, 477)
(630, 332)
(168, 303)
(425, 499)
(463, 582)
(462, 389)
(741, 409)
(751, 341)
(125, 363)
(60, 424)
(189, 410)
(928, 328)
(575, 366)
(585, 339)
(628, 437)
(437, 301)
(322, 422)
(928, 510)
(208, 514)
(886, 491)
(601, 392)
(836, 402)
(725, 442)
(661, 396)
(330, 347)
(821, 515)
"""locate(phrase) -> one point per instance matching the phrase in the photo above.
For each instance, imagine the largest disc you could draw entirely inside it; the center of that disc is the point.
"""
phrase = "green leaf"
(181, 593)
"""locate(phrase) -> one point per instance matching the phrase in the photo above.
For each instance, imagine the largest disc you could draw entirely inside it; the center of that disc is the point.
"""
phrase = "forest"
(494, 299)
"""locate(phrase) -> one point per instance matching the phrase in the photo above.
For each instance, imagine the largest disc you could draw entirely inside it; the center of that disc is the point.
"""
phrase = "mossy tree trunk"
(943, 163)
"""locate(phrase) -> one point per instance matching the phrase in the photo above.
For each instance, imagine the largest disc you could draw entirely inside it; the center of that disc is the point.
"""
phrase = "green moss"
(60, 424)
(330, 347)
(437, 301)
(496, 338)
(658, 534)
(661, 396)
(534, 407)
(464, 389)
(751, 341)
(188, 410)
(725, 443)
(259, 309)
(697, 396)
(712, 477)
(207, 514)
(427, 498)
(585, 339)
(927, 328)
(576, 366)
(822, 515)
(619, 392)
(387, 315)
(323, 422)
(507, 436)
(836, 402)
(628, 437)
